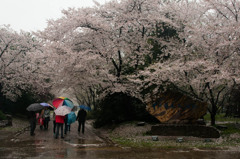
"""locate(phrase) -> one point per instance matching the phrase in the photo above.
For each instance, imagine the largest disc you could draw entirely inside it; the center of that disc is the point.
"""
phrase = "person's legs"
(41, 123)
(83, 126)
(54, 126)
(79, 126)
(48, 119)
(61, 131)
(65, 128)
(31, 127)
(34, 126)
(57, 133)
(45, 124)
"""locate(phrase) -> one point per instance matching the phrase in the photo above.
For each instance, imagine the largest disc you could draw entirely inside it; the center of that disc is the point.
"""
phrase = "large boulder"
(173, 107)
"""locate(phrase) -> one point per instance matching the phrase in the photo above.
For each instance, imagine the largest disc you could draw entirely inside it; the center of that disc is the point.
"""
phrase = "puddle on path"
(84, 143)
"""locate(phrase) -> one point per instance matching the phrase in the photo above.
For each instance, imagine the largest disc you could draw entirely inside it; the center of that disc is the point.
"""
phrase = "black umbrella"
(35, 107)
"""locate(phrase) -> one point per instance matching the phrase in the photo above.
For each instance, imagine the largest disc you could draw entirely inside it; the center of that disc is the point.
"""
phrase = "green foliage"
(231, 129)
(90, 115)
(2, 115)
(233, 103)
(132, 143)
(221, 118)
(230, 123)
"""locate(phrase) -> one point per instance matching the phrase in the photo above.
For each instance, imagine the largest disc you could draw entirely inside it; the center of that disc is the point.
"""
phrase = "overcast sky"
(32, 15)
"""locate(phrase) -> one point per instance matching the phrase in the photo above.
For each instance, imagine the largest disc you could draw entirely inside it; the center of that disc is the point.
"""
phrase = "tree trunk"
(213, 119)
(213, 102)
(213, 113)
(119, 66)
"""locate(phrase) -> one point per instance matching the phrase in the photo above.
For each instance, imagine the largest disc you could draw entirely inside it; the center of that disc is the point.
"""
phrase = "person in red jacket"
(59, 123)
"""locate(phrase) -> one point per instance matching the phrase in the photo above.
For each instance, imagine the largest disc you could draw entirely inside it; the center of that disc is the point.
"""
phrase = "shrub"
(2, 115)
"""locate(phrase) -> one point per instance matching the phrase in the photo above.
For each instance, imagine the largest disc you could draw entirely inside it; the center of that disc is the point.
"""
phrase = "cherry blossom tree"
(98, 45)
(206, 65)
(19, 55)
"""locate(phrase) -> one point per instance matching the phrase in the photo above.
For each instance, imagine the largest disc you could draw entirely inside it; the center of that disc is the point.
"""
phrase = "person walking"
(54, 123)
(81, 118)
(46, 117)
(41, 119)
(59, 123)
(66, 124)
(32, 121)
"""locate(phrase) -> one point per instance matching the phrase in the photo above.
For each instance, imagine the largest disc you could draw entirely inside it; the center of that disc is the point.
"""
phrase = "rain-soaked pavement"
(91, 146)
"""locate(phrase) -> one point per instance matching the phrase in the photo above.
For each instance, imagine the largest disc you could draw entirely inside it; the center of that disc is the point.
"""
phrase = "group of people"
(58, 121)
(42, 117)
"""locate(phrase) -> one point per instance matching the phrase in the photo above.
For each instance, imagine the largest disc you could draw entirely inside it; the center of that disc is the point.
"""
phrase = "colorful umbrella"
(85, 107)
(71, 117)
(35, 107)
(62, 110)
(60, 101)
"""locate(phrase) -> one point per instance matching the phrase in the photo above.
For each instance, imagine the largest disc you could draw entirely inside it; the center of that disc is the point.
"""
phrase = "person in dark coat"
(81, 118)
(32, 121)
(67, 126)
(54, 123)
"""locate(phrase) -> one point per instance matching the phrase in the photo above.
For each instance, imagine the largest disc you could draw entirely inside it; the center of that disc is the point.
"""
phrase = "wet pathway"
(91, 146)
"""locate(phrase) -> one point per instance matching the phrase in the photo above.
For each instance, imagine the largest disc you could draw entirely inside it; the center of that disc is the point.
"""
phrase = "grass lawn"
(230, 137)
(221, 118)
